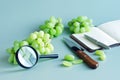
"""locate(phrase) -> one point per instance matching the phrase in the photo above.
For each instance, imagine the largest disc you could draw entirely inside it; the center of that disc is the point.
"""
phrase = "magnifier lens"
(26, 56)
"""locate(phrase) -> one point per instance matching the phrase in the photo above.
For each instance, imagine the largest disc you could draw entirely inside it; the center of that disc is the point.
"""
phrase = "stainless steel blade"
(71, 43)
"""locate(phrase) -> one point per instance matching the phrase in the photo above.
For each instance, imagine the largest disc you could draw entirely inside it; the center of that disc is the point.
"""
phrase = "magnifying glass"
(27, 56)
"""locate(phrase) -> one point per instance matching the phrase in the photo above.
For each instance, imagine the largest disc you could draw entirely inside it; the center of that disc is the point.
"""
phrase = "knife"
(81, 54)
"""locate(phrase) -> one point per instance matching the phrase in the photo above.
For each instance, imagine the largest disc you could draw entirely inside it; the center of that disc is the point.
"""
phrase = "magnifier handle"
(49, 56)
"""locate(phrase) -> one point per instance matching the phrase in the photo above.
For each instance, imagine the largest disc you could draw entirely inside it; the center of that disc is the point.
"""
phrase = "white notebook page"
(112, 28)
(100, 36)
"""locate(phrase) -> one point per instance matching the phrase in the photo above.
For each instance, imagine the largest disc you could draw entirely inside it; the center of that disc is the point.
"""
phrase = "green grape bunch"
(53, 26)
(80, 24)
(40, 41)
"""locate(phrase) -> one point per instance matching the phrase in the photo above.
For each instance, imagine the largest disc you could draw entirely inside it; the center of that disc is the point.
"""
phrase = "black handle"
(49, 56)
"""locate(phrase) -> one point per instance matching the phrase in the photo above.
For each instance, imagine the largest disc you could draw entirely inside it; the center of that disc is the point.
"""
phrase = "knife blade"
(81, 54)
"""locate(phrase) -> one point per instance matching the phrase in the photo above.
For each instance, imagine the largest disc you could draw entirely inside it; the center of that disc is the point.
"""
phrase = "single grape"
(16, 43)
(14, 61)
(70, 23)
(59, 20)
(69, 57)
(79, 61)
(53, 19)
(16, 48)
(76, 24)
(33, 36)
(66, 63)
(71, 28)
(82, 30)
(50, 25)
(22, 43)
(50, 46)
(99, 52)
(102, 57)
(76, 29)
(35, 44)
(52, 31)
(47, 50)
(42, 50)
(11, 58)
(40, 34)
(10, 50)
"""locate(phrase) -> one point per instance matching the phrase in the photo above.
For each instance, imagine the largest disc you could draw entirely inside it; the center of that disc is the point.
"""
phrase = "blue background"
(18, 18)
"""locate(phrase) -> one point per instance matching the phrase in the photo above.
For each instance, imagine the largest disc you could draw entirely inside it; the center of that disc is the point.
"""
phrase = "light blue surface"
(18, 18)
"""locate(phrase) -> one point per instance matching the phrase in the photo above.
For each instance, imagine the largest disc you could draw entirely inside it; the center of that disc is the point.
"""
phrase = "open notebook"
(108, 34)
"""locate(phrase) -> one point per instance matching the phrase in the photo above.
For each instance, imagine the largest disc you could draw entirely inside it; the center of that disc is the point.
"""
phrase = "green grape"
(46, 37)
(10, 50)
(74, 20)
(87, 28)
(36, 32)
(39, 40)
(14, 61)
(22, 43)
(47, 21)
(85, 24)
(53, 19)
(58, 31)
(69, 57)
(42, 50)
(35, 44)
(50, 46)
(11, 58)
(40, 34)
(77, 61)
(70, 23)
(60, 25)
(66, 63)
(16, 48)
(16, 43)
(76, 24)
(102, 57)
(82, 18)
(47, 50)
(52, 31)
(71, 28)
(99, 52)
(50, 25)
(82, 30)
(89, 21)
(46, 30)
(42, 27)
(33, 36)
(76, 29)
(59, 20)
(42, 44)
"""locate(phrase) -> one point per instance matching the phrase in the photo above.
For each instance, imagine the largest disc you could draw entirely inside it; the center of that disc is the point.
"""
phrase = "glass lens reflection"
(27, 56)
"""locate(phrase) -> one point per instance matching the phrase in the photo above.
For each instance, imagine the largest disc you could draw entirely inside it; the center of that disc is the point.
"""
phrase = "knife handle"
(87, 59)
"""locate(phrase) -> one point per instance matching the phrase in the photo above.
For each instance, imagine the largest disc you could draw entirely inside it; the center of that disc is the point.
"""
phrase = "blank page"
(112, 29)
(100, 36)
